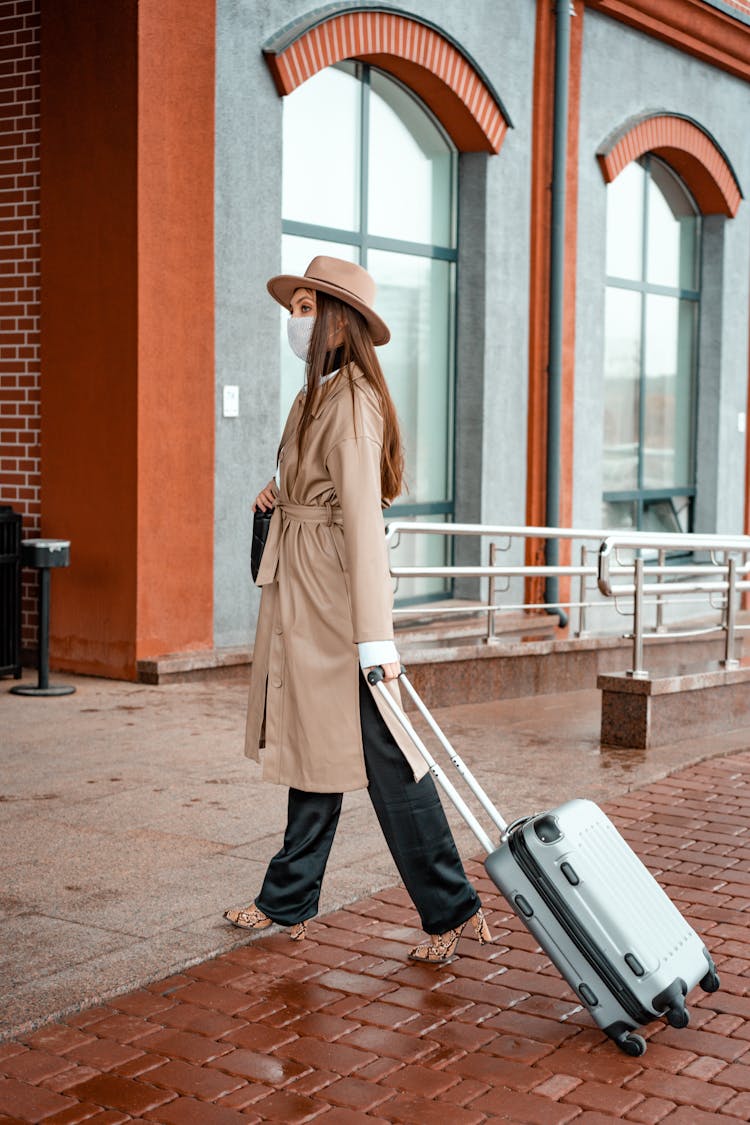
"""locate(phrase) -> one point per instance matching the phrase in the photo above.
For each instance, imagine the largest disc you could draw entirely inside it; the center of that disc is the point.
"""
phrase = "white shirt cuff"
(373, 653)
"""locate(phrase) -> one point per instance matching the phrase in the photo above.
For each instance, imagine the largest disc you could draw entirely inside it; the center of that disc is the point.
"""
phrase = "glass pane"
(625, 224)
(682, 508)
(415, 298)
(668, 365)
(672, 230)
(410, 169)
(689, 252)
(622, 352)
(663, 240)
(661, 515)
(296, 255)
(323, 116)
(619, 514)
(421, 551)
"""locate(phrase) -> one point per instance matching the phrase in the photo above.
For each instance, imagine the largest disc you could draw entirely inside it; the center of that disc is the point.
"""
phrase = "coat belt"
(283, 515)
(311, 513)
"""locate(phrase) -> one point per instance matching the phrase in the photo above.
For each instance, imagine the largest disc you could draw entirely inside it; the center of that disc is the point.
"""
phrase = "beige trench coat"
(325, 587)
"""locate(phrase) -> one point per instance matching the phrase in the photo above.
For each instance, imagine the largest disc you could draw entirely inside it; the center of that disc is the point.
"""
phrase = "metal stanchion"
(582, 596)
(638, 672)
(491, 598)
(730, 661)
(660, 626)
(44, 555)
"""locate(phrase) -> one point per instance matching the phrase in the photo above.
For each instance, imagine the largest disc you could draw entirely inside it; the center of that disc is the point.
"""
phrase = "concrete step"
(459, 666)
(478, 672)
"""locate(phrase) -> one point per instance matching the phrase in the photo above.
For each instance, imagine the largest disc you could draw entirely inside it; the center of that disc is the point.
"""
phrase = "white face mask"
(299, 331)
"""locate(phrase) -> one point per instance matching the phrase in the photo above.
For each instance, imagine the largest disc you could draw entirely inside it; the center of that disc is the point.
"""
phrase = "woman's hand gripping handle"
(383, 672)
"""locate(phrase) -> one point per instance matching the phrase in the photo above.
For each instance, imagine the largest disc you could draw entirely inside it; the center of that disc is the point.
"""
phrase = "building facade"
(162, 160)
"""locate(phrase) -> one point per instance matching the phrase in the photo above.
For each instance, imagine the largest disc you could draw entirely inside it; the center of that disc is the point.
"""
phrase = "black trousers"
(414, 826)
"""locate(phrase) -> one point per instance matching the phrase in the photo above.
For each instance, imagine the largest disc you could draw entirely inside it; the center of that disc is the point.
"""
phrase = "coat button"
(276, 681)
(278, 630)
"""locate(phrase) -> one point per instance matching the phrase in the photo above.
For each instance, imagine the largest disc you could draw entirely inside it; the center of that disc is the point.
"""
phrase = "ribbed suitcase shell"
(600, 915)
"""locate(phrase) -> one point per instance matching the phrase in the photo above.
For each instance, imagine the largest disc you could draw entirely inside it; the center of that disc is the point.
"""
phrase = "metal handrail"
(402, 527)
(725, 575)
(667, 542)
(397, 528)
(488, 571)
(729, 582)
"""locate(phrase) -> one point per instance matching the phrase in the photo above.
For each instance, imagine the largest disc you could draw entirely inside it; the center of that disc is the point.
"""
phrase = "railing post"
(582, 596)
(491, 598)
(659, 604)
(730, 660)
(638, 672)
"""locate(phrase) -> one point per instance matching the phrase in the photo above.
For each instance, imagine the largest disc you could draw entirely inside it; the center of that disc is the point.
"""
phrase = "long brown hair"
(356, 349)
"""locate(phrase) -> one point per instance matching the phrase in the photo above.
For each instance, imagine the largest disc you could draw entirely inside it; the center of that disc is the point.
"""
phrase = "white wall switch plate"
(231, 402)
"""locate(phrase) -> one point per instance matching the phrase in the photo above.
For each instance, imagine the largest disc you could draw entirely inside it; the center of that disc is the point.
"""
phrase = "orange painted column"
(541, 175)
(127, 327)
(176, 51)
(89, 327)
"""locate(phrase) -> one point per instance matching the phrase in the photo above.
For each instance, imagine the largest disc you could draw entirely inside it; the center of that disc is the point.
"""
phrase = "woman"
(326, 619)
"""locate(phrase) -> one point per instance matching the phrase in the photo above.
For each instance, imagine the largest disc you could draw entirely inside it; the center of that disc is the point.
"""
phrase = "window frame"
(641, 497)
(364, 242)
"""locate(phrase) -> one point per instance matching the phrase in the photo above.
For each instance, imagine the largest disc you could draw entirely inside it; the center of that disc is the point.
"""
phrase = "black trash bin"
(10, 592)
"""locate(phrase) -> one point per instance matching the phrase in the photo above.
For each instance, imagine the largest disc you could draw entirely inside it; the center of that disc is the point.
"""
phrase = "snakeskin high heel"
(441, 947)
(248, 918)
(251, 918)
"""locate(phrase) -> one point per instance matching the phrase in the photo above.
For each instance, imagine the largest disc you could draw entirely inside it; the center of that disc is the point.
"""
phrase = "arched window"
(651, 322)
(384, 196)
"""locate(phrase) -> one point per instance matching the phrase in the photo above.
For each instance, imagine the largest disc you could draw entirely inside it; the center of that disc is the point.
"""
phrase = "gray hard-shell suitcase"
(596, 911)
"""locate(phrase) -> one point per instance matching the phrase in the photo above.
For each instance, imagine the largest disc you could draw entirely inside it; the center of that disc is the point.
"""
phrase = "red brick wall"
(19, 275)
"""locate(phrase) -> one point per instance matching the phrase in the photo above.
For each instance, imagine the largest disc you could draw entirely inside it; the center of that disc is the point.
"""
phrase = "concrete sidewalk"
(130, 820)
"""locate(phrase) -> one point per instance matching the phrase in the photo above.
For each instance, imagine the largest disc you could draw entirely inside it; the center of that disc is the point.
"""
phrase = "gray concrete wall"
(625, 73)
(494, 210)
(723, 352)
(248, 251)
(492, 278)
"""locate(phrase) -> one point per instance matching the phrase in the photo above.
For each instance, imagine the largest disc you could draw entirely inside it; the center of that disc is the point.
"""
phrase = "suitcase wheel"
(711, 982)
(629, 1043)
(671, 1003)
(678, 1017)
(634, 1045)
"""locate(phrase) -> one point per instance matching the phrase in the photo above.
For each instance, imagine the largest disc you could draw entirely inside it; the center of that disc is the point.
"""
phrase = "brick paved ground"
(342, 1028)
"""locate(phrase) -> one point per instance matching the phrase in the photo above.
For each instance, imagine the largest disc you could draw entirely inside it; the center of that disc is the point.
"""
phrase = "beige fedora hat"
(345, 280)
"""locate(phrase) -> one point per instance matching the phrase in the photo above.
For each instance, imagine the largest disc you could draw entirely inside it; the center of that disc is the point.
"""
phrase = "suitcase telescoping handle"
(375, 677)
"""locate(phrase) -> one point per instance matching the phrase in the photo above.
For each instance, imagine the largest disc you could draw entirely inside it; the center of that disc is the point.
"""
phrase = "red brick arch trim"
(416, 52)
(687, 147)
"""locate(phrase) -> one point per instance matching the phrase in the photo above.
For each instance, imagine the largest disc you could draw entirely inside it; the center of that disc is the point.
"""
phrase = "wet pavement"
(134, 821)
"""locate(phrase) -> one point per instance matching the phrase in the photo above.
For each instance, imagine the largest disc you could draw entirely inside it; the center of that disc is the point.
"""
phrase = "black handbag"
(261, 523)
